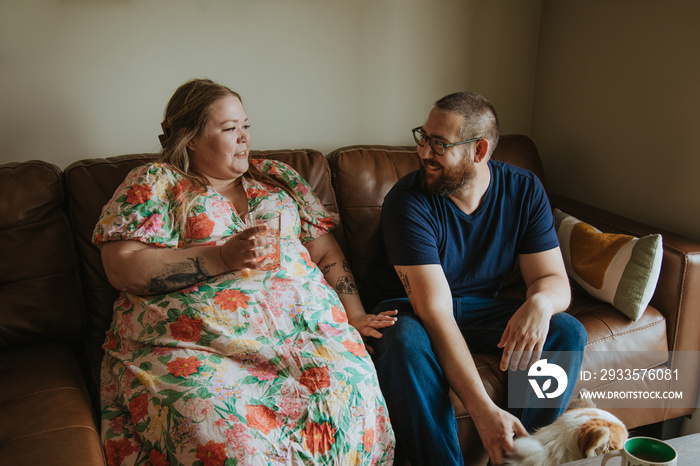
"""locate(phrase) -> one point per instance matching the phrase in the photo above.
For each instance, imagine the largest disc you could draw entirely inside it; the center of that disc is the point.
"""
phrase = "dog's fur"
(582, 431)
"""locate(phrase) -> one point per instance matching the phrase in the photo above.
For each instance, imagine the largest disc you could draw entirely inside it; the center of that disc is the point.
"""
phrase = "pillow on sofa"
(619, 269)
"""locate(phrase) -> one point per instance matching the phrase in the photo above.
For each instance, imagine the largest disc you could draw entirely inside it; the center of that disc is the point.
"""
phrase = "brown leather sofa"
(55, 301)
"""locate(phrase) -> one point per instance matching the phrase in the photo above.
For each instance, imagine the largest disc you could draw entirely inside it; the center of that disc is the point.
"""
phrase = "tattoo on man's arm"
(178, 276)
(346, 285)
(404, 280)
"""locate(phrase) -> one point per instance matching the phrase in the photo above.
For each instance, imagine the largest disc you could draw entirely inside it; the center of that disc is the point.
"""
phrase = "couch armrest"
(677, 294)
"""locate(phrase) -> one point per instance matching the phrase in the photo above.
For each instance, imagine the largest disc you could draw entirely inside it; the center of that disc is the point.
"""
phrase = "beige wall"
(617, 107)
(90, 78)
(608, 89)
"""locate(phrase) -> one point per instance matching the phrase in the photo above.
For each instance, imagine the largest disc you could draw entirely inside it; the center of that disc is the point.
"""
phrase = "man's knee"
(569, 332)
(403, 339)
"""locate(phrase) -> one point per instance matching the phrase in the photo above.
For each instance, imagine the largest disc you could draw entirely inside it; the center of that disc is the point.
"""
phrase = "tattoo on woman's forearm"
(346, 285)
(327, 268)
(178, 276)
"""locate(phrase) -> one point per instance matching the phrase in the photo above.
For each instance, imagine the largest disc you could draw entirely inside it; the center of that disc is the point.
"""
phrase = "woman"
(210, 359)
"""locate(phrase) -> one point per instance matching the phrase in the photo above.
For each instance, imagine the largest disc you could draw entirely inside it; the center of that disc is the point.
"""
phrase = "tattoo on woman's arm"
(346, 285)
(327, 268)
(178, 276)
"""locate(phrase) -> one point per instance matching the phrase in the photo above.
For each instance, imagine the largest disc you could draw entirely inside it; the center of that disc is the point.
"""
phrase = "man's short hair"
(480, 118)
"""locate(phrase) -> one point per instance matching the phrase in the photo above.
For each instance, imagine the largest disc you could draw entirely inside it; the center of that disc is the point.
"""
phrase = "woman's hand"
(249, 249)
(367, 325)
(325, 252)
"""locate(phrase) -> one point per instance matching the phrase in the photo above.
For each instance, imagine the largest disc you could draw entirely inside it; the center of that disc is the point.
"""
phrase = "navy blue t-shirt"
(477, 252)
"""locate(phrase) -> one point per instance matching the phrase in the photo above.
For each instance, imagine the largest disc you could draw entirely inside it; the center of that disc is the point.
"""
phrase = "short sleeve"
(410, 231)
(316, 221)
(540, 234)
(142, 208)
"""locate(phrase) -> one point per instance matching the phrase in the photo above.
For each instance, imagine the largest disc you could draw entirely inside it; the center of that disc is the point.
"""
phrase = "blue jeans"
(415, 388)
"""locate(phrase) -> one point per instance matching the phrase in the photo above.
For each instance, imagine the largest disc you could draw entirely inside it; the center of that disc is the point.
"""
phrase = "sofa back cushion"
(39, 288)
(90, 185)
(363, 175)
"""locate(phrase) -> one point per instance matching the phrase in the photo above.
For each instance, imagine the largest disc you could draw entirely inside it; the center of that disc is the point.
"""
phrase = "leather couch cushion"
(362, 176)
(90, 184)
(48, 409)
(40, 302)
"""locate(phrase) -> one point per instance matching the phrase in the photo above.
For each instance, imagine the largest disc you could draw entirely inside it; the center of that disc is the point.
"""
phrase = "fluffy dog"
(582, 431)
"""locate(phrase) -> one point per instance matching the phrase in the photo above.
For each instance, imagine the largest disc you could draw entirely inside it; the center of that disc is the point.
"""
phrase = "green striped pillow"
(619, 269)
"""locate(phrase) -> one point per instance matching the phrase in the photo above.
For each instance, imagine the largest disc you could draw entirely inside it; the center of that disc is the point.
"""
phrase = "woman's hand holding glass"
(249, 249)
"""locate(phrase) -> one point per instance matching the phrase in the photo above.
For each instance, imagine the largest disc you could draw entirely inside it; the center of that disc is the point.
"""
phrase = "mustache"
(446, 182)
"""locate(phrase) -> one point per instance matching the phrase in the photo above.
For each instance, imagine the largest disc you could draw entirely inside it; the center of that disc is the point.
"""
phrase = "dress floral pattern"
(246, 368)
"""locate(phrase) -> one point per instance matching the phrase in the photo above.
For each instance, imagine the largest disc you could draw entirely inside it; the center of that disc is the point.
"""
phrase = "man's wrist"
(481, 409)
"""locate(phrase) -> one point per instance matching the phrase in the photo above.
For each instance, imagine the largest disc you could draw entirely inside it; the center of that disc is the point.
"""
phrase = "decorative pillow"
(619, 269)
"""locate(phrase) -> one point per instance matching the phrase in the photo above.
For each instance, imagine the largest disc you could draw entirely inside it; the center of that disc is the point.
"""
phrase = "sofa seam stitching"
(27, 395)
(393, 151)
(610, 337)
(73, 426)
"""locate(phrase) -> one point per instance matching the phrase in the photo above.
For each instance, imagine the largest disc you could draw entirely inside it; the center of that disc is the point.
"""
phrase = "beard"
(451, 180)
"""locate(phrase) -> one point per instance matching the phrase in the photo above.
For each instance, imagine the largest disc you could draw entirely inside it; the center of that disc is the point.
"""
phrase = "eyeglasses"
(438, 147)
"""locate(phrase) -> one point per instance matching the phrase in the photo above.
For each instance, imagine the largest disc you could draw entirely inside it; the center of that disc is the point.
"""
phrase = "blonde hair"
(186, 116)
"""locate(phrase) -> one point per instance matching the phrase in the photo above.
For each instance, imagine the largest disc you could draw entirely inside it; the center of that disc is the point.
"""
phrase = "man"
(452, 232)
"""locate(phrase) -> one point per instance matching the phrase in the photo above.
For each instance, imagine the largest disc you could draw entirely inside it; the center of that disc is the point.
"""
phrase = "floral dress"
(246, 368)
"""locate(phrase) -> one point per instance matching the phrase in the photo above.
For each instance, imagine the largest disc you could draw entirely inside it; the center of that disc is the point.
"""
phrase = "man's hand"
(548, 292)
(524, 336)
(497, 428)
